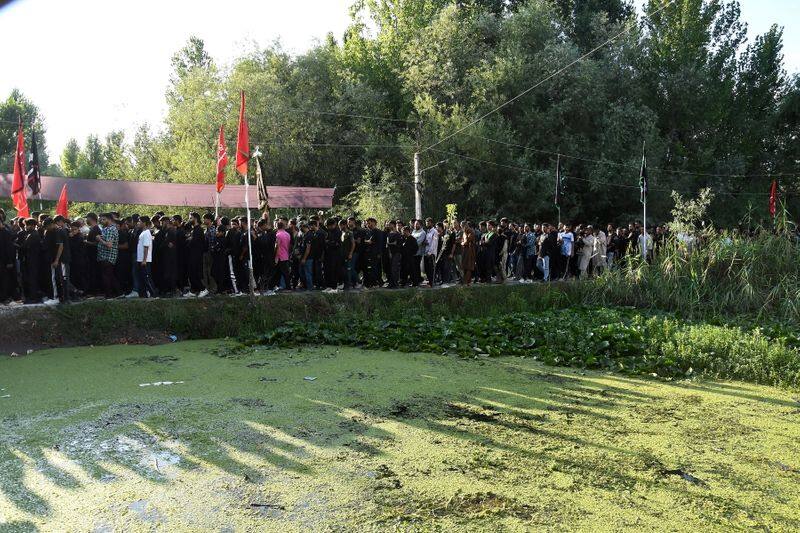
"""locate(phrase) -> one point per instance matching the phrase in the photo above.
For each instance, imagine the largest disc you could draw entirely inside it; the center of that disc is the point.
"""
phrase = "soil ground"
(197, 436)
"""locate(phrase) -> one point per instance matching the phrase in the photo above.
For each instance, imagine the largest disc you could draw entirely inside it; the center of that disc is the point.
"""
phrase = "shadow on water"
(496, 414)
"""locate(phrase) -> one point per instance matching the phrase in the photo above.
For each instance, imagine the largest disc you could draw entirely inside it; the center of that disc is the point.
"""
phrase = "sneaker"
(203, 293)
(132, 294)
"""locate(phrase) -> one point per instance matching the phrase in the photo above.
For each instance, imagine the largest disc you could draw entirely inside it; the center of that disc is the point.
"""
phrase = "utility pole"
(417, 187)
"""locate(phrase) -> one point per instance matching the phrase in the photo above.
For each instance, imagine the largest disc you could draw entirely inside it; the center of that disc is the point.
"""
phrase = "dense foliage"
(611, 339)
(724, 275)
(686, 81)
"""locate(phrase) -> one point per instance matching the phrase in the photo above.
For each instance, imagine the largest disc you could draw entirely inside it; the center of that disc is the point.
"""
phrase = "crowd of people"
(52, 259)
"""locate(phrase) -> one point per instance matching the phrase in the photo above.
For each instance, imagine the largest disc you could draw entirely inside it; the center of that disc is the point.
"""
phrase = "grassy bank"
(548, 322)
(381, 441)
(120, 321)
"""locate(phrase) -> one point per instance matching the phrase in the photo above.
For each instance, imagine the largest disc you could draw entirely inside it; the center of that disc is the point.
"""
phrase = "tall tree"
(15, 106)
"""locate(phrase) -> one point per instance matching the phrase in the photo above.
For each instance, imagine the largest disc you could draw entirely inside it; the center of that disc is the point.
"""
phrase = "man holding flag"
(242, 158)
(645, 241)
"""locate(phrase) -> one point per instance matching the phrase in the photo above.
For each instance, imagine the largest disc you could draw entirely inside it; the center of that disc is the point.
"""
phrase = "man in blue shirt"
(567, 241)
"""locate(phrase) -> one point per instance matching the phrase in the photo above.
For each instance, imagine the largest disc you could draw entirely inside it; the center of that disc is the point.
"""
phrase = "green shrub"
(725, 275)
(612, 339)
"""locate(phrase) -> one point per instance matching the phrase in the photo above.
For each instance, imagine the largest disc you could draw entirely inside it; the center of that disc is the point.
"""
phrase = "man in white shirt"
(431, 249)
(420, 235)
(144, 258)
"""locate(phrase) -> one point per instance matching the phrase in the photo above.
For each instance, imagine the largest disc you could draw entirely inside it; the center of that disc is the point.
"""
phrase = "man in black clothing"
(549, 253)
(77, 267)
(264, 256)
(53, 247)
(169, 257)
(181, 255)
(8, 275)
(509, 233)
(408, 252)
(65, 273)
(378, 250)
(333, 254)
(489, 252)
(94, 284)
(372, 253)
(209, 237)
(31, 253)
(317, 254)
(123, 267)
(243, 272)
(219, 257)
(159, 222)
(394, 251)
(306, 261)
(444, 256)
(359, 258)
(196, 246)
(232, 250)
(386, 256)
(348, 248)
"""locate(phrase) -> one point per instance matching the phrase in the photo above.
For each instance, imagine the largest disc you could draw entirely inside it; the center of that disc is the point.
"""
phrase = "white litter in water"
(5, 396)
(159, 383)
(309, 378)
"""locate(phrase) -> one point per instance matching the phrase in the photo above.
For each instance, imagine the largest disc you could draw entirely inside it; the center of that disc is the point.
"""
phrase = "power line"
(598, 182)
(330, 145)
(350, 115)
(314, 112)
(635, 167)
(628, 27)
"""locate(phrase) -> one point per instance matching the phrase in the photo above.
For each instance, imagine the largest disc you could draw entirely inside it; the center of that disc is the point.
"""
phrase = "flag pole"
(249, 234)
(216, 208)
(644, 203)
(558, 188)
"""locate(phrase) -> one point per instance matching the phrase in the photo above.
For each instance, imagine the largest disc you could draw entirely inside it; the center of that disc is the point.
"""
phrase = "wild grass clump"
(720, 274)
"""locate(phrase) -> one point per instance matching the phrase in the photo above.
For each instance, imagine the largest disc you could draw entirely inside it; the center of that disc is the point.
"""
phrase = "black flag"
(263, 197)
(34, 177)
(643, 179)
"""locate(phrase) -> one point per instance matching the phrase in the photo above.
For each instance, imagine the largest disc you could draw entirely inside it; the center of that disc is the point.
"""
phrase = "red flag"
(61, 206)
(222, 159)
(18, 197)
(243, 142)
(773, 198)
